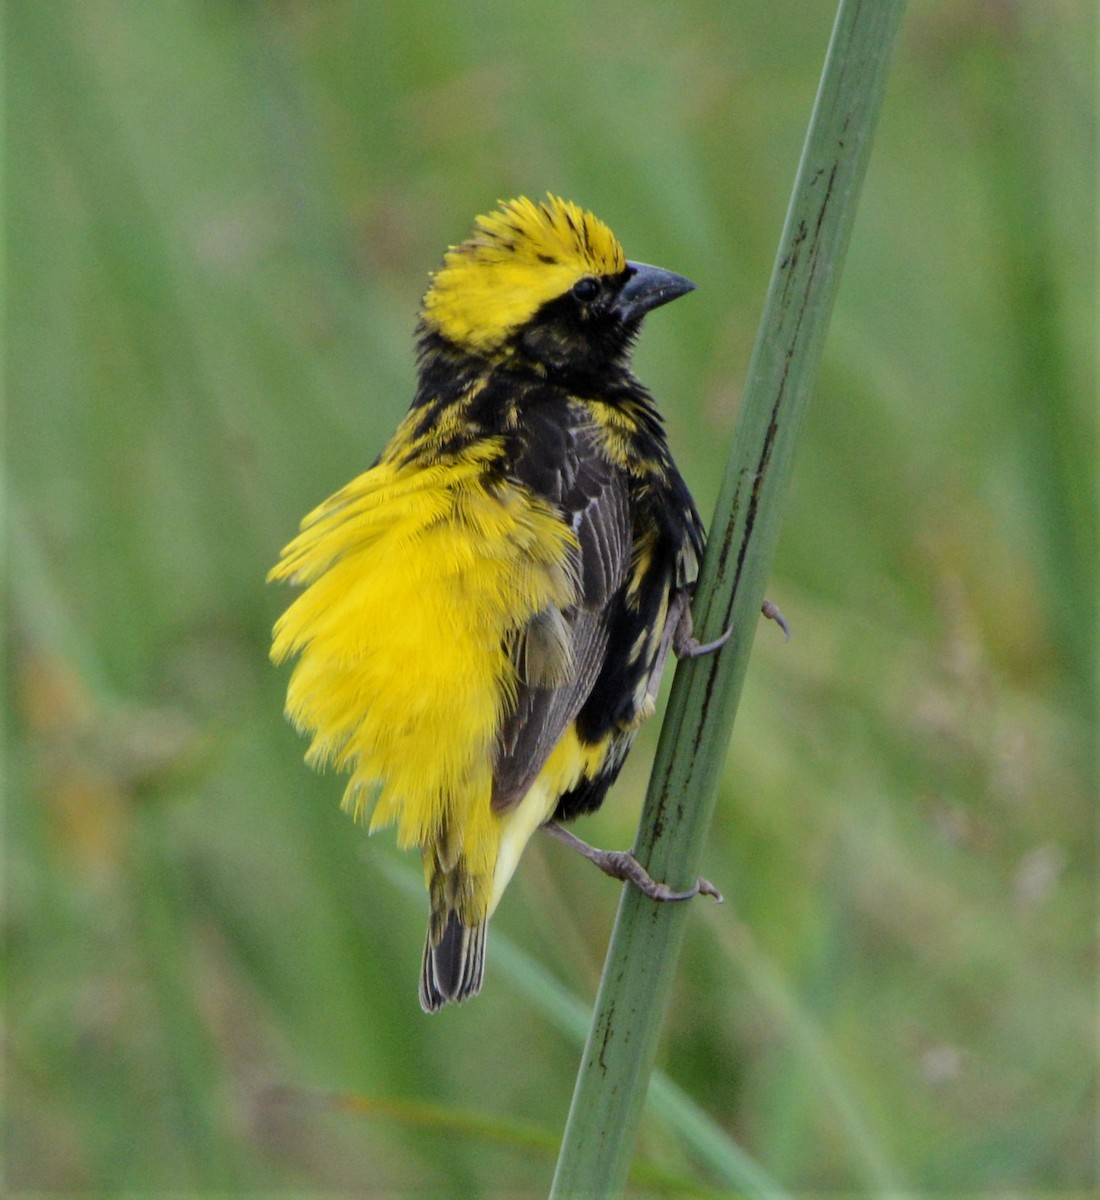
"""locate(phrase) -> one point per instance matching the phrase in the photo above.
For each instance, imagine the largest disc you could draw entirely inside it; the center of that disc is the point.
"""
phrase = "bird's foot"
(620, 864)
(687, 645)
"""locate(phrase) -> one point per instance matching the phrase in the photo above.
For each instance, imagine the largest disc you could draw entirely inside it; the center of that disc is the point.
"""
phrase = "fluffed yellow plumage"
(487, 610)
(420, 581)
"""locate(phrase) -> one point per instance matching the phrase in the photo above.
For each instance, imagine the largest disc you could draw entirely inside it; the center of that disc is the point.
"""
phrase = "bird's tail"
(454, 960)
(454, 950)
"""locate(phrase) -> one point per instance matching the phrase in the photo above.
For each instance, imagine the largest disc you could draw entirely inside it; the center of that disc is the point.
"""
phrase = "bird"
(487, 611)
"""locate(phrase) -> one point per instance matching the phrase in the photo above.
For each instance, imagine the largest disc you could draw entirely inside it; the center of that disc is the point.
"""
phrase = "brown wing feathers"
(593, 499)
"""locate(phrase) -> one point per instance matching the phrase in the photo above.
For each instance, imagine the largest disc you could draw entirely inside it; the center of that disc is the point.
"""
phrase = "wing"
(641, 624)
(560, 654)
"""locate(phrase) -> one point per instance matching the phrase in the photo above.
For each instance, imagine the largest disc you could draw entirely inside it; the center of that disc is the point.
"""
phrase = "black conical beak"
(648, 287)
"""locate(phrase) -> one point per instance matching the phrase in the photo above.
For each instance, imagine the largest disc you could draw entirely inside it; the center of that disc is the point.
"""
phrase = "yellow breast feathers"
(420, 576)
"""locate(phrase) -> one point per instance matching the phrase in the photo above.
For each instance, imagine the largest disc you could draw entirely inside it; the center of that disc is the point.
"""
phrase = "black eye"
(586, 289)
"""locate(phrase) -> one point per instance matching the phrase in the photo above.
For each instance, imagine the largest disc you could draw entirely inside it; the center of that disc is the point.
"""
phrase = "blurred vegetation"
(220, 217)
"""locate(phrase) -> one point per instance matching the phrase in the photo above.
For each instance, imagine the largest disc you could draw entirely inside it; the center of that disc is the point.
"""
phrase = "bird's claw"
(621, 864)
(772, 613)
(687, 645)
(691, 647)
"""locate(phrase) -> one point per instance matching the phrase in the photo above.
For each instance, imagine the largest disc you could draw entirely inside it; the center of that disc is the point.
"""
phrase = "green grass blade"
(444, 1120)
(641, 961)
(828, 1072)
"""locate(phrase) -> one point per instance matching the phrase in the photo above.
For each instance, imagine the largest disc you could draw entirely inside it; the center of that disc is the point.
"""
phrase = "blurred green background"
(220, 219)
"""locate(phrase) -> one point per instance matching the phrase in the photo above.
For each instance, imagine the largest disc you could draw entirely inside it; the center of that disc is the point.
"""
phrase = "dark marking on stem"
(781, 392)
(824, 206)
(790, 259)
(727, 533)
(789, 266)
(608, 1031)
(708, 688)
(711, 667)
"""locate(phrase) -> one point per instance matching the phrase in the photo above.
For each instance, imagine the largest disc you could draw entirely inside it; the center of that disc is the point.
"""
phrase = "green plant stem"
(641, 960)
(672, 1108)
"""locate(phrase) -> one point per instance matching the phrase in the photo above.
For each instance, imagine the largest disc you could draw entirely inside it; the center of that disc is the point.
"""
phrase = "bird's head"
(545, 282)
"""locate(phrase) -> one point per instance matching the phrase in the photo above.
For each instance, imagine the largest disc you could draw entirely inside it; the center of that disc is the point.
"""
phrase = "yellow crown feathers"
(517, 258)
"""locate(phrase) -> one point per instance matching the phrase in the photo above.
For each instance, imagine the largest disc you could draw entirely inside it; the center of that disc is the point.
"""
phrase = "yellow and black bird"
(489, 608)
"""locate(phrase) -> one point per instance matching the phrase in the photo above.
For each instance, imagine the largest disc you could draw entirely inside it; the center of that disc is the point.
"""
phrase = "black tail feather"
(454, 967)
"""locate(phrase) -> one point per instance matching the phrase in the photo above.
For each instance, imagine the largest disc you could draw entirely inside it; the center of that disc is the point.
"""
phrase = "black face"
(582, 333)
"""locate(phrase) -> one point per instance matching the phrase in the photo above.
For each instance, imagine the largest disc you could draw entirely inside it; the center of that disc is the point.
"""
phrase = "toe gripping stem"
(620, 864)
